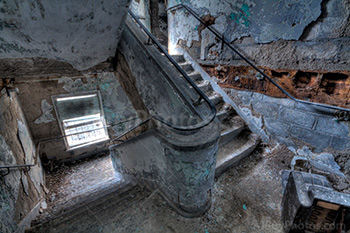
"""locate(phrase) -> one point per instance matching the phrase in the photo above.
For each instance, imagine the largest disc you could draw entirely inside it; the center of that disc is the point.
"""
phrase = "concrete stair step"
(84, 216)
(178, 58)
(235, 151)
(205, 86)
(216, 99)
(225, 113)
(104, 213)
(230, 129)
(195, 76)
(187, 67)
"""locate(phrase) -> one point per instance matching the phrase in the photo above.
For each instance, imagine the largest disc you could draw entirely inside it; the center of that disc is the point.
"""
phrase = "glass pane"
(77, 106)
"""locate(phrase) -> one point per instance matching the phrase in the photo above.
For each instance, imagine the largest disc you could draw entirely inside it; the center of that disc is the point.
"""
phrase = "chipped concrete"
(24, 181)
(182, 172)
(80, 33)
(26, 142)
(47, 116)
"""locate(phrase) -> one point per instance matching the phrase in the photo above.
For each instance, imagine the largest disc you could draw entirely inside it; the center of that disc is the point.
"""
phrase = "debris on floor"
(246, 198)
(322, 164)
(311, 205)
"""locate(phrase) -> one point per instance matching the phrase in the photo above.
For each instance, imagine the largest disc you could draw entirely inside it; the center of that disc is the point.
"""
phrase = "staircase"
(236, 140)
(176, 151)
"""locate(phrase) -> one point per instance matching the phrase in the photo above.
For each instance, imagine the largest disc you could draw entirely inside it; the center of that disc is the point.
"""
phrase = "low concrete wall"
(292, 123)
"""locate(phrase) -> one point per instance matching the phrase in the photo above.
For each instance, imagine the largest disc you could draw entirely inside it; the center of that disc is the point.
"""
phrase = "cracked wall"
(37, 85)
(264, 21)
(307, 35)
(21, 190)
(304, 46)
(82, 33)
(35, 98)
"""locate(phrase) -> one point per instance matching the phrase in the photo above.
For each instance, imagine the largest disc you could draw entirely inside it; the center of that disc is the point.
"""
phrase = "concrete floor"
(70, 183)
(246, 198)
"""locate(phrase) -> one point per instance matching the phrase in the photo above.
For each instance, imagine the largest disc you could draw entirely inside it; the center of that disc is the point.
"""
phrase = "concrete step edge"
(230, 134)
(235, 156)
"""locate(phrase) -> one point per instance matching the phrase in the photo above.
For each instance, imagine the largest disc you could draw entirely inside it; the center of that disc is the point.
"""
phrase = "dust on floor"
(247, 198)
(74, 179)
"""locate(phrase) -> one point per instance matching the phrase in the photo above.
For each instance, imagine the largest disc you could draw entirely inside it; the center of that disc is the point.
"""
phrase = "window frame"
(63, 128)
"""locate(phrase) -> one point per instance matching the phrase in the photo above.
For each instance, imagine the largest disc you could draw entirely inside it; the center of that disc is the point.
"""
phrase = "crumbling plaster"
(82, 33)
(20, 191)
(281, 35)
(141, 9)
(35, 98)
(265, 21)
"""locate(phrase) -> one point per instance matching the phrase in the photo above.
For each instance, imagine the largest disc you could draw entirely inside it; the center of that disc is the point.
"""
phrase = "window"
(81, 118)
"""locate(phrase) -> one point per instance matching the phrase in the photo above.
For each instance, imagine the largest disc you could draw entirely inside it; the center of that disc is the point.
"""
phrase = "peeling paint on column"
(47, 116)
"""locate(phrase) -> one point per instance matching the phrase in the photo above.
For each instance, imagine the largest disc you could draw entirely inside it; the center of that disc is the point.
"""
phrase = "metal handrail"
(8, 167)
(188, 79)
(193, 13)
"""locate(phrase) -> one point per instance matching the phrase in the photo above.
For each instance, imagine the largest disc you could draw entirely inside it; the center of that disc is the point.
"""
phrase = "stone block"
(315, 109)
(340, 143)
(244, 96)
(304, 119)
(269, 110)
(276, 127)
(315, 138)
(329, 126)
(280, 101)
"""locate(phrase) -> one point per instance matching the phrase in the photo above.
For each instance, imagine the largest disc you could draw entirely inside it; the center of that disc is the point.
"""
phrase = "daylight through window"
(81, 119)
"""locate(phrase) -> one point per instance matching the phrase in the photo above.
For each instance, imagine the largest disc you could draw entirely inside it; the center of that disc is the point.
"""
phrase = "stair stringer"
(244, 115)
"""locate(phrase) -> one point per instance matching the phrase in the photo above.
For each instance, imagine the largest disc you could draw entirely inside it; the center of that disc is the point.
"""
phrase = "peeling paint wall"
(141, 9)
(303, 45)
(82, 33)
(265, 21)
(283, 34)
(20, 191)
(35, 98)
